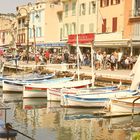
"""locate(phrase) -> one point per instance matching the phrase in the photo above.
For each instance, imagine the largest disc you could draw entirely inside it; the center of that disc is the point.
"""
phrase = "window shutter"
(114, 24)
(101, 3)
(104, 26)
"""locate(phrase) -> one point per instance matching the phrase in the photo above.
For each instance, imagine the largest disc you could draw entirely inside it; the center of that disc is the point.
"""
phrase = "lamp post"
(28, 12)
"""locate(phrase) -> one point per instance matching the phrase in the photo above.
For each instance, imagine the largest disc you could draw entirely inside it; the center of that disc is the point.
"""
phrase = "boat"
(40, 90)
(124, 105)
(17, 86)
(97, 99)
(54, 94)
(24, 79)
(28, 77)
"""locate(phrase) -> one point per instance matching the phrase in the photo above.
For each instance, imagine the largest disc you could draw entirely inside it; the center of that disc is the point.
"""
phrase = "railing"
(135, 13)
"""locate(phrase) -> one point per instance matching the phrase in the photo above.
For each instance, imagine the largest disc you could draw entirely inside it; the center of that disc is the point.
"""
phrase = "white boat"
(17, 86)
(124, 105)
(54, 94)
(93, 100)
(27, 77)
(40, 90)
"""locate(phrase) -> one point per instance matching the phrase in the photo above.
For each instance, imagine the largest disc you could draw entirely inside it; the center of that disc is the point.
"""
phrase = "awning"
(50, 45)
(111, 44)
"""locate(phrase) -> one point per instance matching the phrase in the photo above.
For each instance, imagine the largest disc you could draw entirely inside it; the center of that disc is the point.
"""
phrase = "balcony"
(134, 15)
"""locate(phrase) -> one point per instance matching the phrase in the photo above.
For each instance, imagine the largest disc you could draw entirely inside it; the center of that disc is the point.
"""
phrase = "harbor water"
(44, 120)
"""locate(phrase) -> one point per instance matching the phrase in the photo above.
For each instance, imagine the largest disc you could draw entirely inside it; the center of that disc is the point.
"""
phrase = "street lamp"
(28, 12)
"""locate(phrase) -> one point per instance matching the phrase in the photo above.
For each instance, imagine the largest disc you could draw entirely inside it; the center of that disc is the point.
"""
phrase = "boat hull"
(93, 100)
(124, 105)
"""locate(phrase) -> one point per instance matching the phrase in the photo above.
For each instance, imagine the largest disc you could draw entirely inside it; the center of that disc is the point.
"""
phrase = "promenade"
(86, 70)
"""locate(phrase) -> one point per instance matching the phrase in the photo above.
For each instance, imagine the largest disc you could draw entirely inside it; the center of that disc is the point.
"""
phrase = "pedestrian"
(36, 58)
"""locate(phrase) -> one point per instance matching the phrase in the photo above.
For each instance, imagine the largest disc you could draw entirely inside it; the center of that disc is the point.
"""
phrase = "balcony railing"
(134, 15)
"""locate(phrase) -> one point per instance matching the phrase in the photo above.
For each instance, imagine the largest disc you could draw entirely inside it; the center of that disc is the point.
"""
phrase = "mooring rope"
(8, 127)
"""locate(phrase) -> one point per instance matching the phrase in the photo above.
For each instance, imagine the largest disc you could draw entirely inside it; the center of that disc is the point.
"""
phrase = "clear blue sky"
(9, 6)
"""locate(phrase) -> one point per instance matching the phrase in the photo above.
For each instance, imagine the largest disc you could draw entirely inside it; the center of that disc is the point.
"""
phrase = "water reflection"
(44, 120)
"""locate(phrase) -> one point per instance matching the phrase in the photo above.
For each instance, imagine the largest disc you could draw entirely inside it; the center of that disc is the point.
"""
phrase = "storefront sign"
(82, 38)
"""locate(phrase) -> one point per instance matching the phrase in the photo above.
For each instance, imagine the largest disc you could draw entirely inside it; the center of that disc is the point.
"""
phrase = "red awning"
(82, 38)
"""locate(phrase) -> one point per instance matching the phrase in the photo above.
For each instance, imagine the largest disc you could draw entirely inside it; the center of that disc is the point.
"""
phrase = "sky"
(9, 6)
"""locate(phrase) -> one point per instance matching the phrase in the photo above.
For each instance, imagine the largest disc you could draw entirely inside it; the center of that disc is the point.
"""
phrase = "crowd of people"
(101, 60)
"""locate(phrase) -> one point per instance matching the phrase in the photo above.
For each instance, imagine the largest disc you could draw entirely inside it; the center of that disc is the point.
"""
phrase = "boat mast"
(77, 39)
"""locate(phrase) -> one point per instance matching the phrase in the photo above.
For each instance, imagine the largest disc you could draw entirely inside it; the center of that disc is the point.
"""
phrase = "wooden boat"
(40, 90)
(124, 105)
(17, 86)
(54, 94)
(28, 77)
(93, 100)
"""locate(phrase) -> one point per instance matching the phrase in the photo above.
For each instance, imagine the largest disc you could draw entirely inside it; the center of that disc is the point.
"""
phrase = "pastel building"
(109, 20)
(79, 17)
(134, 25)
(6, 30)
(40, 25)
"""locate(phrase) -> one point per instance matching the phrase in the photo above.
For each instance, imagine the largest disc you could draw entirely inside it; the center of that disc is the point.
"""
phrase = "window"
(66, 10)
(115, 2)
(82, 28)
(137, 8)
(19, 23)
(83, 9)
(38, 31)
(114, 24)
(92, 7)
(38, 16)
(66, 30)
(73, 8)
(33, 17)
(104, 26)
(23, 22)
(101, 3)
(73, 28)
(61, 33)
(104, 3)
(23, 37)
(30, 33)
(91, 27)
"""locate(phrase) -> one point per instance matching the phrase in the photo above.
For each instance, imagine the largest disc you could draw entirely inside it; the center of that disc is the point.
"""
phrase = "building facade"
(109, 20)
(6, 30)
